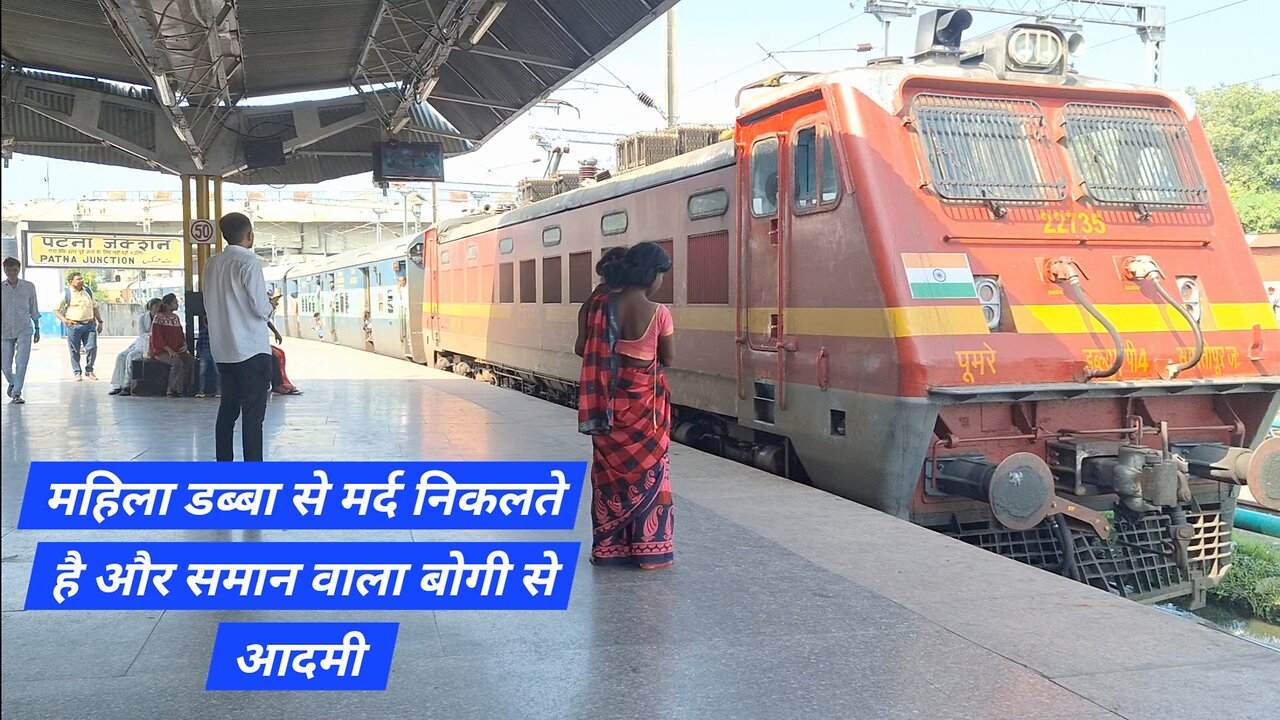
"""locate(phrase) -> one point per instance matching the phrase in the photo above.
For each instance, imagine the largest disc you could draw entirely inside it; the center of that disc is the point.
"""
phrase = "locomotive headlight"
(1035, 48)
(1190, 290)
(988, 289)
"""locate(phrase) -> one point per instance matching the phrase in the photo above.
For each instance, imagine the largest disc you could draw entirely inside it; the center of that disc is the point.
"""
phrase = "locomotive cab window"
(987, 149)
(764, 178)
(1137, 155)
(805, 167)
(814, 169)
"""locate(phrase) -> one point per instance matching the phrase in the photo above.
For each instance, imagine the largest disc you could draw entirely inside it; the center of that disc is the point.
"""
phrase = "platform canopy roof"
(161, 83)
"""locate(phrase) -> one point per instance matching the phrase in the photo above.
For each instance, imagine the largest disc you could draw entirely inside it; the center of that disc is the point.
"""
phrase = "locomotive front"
(1094, 332)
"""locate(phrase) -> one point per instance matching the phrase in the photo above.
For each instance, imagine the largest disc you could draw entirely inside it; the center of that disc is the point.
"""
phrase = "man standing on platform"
(235, 300)
(79, 312)
(21, 327)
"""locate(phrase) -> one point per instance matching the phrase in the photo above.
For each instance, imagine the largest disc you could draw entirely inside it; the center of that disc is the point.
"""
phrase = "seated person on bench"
(169, 346)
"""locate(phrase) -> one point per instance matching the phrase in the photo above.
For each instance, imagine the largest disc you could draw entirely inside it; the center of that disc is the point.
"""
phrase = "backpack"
(66, 294)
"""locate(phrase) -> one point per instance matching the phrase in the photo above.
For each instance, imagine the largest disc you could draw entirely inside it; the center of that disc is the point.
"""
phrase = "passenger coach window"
(764, 178)
(1133, 155)
(987, 150)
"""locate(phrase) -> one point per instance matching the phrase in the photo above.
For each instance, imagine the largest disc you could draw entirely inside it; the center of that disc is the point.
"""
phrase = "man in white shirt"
(235, 301)
(20, 327)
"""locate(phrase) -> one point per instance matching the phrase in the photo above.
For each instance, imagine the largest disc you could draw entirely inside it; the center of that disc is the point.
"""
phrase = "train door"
(431, 249)
(329, 291)
(414, 290)
(366, 307)
(291, 308)
(764, 227)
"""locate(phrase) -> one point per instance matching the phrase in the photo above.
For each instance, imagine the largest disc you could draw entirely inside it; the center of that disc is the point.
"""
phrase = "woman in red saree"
(625, 405)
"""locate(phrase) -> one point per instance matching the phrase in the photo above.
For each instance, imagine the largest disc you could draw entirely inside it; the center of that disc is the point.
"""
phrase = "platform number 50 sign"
(201, 231)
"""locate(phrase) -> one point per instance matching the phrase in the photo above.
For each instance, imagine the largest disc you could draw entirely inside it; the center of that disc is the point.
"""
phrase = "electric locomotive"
(974, 290)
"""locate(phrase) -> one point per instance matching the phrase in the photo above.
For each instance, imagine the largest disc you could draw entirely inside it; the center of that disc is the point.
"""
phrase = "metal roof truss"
(190, 51)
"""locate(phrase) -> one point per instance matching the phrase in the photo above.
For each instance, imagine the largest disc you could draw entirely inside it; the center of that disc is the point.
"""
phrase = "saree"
(280, 380)
(627, 413)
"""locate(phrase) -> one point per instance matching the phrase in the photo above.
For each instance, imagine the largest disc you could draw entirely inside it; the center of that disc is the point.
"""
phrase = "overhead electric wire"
(1249, 82)
(1175, 22)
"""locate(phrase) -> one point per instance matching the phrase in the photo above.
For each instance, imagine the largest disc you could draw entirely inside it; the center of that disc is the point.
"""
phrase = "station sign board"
(98, 250)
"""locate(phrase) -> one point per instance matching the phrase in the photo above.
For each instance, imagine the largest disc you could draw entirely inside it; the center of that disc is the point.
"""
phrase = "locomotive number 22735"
(1060, 223)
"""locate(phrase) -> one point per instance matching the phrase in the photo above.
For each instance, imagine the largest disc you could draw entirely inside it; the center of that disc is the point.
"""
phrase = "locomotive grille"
(1137, 562)
(1133, 155)
(988, 150)
(1037, 546)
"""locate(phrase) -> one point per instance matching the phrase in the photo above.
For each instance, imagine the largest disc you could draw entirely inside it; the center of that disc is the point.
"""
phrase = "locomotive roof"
(712, 157)
(881, 83)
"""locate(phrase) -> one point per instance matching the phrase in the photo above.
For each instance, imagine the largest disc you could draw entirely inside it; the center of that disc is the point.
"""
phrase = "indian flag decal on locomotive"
(939, 276)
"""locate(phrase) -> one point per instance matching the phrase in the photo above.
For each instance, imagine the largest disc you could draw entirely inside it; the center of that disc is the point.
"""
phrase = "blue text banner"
(302, 496)
(302, 576)
(302, 656)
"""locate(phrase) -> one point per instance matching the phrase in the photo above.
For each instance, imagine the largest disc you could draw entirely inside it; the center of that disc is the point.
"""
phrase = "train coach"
(368, 299)
(977, 291)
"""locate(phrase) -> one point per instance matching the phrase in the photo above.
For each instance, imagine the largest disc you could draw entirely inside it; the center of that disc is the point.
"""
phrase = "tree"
(91, 279)
(1243, 126)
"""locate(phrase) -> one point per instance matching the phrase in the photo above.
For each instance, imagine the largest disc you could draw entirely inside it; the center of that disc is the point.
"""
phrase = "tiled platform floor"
(785, 602)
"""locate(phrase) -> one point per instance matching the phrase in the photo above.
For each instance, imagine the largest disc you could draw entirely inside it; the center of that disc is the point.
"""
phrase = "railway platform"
(784, 602)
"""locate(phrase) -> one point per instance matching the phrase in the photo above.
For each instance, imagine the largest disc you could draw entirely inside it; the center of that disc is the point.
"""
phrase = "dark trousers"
(245, 388)
(208, 374)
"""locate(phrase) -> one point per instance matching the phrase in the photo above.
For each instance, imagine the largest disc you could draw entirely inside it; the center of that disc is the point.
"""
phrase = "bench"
(151, 378)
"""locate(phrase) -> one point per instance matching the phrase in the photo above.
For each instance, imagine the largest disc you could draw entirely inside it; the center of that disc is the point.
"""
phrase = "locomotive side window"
(1133, 155)
(551, 236)
(987, 150)
(764, 178)
(614, 223)
(707, 204)
(506, 246)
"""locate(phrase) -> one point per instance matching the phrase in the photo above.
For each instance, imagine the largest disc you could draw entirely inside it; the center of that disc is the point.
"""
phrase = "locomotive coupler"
(1144, 479)
(1258, 469)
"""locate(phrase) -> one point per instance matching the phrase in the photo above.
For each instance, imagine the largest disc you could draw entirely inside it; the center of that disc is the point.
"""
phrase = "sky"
(725, 44)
